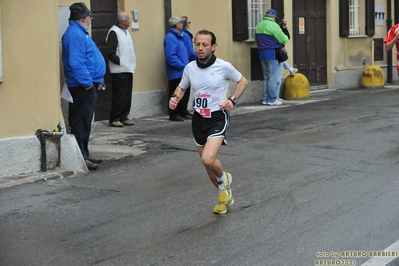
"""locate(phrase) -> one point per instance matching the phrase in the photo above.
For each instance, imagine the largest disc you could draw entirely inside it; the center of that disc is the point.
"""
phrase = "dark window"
(278, 5)
(370, 19)
(378, 49)
(240, 20)
(343, 18)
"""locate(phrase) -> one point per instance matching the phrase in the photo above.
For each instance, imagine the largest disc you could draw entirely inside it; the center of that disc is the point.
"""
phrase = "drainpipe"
(389, 25)
(43, 134)
(168, 14)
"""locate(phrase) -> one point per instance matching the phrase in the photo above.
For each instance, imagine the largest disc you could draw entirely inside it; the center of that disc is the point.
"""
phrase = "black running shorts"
(214, 127)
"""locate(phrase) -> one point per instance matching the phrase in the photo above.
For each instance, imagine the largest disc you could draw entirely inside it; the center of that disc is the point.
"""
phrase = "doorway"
(104, 14)
(310, 40)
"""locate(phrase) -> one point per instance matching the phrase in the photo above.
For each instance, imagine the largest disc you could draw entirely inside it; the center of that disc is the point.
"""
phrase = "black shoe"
(176, 118)
(90, 165)
(187, 116)
(95, 160)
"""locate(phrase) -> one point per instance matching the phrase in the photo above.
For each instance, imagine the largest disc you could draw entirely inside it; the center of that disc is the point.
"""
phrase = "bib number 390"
(201, 104)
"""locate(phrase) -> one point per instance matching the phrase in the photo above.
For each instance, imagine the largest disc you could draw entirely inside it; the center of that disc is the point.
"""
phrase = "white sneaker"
(293, 71)
(276, 102)
(279, 99)
(264, 103)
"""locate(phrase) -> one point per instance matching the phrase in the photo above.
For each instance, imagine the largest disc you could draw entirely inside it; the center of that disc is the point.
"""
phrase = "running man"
(209, 78)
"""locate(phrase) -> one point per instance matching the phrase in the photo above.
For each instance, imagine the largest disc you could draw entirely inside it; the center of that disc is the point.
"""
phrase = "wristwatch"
(233, 99)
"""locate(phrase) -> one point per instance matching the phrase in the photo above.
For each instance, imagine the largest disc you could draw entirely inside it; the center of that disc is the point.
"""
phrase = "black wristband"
(173, 95)
(232, 101)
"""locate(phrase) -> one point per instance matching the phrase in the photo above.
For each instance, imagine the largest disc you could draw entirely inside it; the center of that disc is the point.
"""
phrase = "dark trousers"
(80, 115)
(181, 108)
(122, 84)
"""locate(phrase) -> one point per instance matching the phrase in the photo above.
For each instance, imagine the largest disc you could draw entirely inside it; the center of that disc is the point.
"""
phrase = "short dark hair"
(207, 32)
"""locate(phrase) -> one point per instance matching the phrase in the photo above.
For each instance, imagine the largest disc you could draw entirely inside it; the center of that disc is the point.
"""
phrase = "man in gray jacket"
(122, 64)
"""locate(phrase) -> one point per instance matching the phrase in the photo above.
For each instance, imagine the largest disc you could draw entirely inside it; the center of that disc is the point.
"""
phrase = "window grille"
(354, 26)
(255, 15)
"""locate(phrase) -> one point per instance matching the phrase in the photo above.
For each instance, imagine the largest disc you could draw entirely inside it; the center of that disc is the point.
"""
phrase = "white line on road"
(386, 88)
(383, 260)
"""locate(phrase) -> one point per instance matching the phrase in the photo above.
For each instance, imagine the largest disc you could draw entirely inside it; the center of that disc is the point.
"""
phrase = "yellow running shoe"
(224, 188)
(225, 195)
(221, 208)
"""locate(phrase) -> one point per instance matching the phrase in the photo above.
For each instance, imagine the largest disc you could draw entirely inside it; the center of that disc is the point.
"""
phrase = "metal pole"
(43, 160)
(168, 14)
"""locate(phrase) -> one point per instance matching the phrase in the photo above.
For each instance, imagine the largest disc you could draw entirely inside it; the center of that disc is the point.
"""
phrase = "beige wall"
(347, 54)
(29, 95)
(148, 44)
(218, 19)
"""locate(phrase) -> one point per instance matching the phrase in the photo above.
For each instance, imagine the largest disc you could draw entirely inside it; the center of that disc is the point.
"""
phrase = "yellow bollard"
(372, 76)
(296, 87)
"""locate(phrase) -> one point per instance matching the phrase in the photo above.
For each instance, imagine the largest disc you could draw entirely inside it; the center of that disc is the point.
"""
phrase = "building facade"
(331, 43)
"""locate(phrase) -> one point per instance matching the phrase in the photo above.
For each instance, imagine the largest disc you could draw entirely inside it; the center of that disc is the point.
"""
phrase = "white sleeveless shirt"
(125, 52)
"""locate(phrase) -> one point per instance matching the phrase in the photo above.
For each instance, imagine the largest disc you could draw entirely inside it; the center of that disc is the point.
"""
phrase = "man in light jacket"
(122, 64)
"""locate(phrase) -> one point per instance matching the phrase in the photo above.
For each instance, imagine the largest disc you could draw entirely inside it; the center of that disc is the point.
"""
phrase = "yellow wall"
(29, 95)
(150, 73)
(219, 21)
(213, 21)
(348, 53)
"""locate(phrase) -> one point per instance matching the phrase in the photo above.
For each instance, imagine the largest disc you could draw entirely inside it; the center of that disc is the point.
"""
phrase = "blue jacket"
(268, 37)
(188, 40)
(83, 61)
(176, 55)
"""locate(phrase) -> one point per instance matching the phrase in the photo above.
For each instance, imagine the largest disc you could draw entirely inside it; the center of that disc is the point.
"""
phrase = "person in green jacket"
(269, 36)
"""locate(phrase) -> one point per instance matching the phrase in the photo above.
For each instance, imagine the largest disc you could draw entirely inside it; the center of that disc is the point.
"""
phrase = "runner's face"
(203, 46)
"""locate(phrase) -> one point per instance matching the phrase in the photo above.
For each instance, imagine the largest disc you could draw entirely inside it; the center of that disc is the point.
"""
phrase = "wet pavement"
(110, 143)
(309, 177)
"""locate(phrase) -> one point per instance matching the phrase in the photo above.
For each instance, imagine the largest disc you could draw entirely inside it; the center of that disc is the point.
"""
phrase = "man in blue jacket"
(84, 69)
(176, 58)
(269, 37)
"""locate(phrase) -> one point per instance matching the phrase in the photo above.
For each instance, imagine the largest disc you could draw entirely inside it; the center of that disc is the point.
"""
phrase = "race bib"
(202, 103)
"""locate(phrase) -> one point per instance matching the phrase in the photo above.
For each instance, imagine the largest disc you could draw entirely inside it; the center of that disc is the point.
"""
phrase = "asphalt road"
(311, 179)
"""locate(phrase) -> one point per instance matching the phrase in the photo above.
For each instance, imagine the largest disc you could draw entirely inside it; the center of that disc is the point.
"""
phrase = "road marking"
(386, 88)
(252, 108)
(287, 103)
(380, 261)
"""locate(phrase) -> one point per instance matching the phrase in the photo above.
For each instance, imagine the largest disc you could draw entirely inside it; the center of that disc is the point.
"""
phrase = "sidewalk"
(108, 144)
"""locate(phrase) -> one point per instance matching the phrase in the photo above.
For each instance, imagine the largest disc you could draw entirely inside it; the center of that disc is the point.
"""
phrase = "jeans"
(286, 65)
(272, 79)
